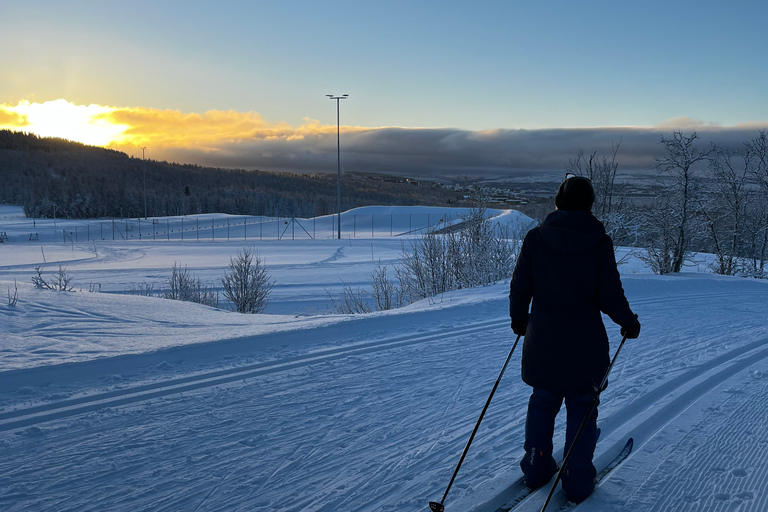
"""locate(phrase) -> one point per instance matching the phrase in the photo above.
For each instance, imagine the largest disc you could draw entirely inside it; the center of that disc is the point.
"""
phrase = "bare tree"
(756, 224)
(756, 239)
(248, 284)
(758, 149)
(677, 201)
(611, 206)
(725, 208)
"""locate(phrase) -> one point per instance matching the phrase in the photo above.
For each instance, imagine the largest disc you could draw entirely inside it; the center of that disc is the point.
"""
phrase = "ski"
(524, 492)
(568, 505)
(518, 498)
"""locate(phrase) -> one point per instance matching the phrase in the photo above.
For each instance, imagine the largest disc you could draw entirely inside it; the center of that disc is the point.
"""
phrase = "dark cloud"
(451, 152)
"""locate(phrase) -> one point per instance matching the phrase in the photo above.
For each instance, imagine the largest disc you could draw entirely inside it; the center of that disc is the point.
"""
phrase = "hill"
(55, 177)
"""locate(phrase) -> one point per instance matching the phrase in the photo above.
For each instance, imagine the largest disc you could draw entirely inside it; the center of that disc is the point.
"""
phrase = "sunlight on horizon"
(59, 118)
(120, 127)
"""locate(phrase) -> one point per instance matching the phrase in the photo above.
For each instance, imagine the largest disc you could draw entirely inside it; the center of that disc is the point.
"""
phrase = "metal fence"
(218, 228)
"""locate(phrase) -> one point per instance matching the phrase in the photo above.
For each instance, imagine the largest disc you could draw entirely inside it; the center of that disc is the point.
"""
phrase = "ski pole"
(603, 385)
(438, 507)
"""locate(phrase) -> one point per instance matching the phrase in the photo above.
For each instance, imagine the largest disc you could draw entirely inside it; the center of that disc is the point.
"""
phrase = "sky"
(244, 83)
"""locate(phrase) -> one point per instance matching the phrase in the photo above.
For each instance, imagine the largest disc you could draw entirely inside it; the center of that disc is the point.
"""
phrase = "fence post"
(213, 231)
(113, 230)
(371, 225)
(354, 226)
(139, 228)
(245, 228)
(197, 229)
(227, 229)
(168, 227)
(182, 229)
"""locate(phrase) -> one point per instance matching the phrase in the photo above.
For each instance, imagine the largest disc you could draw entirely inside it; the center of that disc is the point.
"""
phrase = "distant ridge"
(81, 181)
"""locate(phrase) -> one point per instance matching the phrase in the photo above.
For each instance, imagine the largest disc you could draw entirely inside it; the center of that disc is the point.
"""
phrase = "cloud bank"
(456, 153)
(245, 140)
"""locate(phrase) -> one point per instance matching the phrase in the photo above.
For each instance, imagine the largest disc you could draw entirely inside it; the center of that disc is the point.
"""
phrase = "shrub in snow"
(60, 282)
(144, 289)
(471, 254)
(352, 302)
(387, 294)
(182, 285)
(247, 285)
(13, 298)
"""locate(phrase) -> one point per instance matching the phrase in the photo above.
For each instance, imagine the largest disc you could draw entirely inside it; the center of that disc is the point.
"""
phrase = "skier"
(568, 269)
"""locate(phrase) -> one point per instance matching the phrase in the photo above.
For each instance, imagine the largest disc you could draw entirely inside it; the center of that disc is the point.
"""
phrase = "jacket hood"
(572, 232)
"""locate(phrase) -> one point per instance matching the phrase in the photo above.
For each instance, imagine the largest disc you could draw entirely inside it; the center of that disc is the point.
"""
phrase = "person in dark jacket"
(567, 273)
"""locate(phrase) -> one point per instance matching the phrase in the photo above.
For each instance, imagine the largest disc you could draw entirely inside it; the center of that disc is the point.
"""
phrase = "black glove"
(631, 331)
(520, 326)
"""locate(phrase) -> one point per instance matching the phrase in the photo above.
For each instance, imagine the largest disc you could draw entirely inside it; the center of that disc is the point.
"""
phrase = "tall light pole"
(144, 168)
(338, 156)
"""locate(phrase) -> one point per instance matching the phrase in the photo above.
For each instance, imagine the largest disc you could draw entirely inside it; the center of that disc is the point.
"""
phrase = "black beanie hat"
(575, 193)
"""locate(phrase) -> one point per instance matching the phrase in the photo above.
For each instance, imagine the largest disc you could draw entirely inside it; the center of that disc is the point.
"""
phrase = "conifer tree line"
(49, 176)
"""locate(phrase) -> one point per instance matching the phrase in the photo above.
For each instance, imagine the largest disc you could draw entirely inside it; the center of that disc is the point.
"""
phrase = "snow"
(121, 402)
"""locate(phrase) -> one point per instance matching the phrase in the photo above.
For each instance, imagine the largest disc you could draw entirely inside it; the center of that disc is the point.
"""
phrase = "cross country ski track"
(32, 415)
(649, 414)
(227, 452)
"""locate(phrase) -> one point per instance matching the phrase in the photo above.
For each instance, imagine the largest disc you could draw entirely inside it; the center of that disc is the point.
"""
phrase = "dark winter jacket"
(567, 267)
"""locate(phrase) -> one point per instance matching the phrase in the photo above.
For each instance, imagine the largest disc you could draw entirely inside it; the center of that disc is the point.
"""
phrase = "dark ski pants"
(538, 465)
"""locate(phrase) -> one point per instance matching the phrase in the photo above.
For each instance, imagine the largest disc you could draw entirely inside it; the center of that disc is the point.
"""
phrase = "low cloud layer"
(245, 140)
(451, 152)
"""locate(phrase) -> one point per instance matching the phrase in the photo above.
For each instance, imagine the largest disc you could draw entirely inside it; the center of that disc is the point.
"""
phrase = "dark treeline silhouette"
(50, 176)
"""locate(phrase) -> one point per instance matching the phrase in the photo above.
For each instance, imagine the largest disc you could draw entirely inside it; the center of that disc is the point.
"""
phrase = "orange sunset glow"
(121, 127)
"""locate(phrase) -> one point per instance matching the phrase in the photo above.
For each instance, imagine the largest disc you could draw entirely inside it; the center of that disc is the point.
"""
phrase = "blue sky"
(469, 65)
(464, 65)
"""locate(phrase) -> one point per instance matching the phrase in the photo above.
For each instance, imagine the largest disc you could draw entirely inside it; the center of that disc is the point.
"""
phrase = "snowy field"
(128, 403)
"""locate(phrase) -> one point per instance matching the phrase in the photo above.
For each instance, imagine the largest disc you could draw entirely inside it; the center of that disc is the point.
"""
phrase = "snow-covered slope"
(113, 402)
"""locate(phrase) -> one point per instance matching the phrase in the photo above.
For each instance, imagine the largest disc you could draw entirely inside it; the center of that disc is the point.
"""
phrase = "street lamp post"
(338, 157)
(144, 168)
